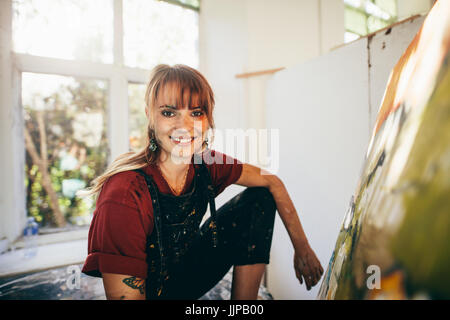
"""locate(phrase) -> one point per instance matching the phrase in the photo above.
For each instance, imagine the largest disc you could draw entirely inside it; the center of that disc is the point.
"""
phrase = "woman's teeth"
(185, 140)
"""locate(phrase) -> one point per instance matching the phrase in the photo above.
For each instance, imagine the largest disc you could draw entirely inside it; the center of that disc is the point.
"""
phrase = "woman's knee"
(261, 196)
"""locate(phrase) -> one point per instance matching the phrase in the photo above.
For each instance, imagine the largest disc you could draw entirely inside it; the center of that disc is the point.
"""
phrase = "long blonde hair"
(185, 79)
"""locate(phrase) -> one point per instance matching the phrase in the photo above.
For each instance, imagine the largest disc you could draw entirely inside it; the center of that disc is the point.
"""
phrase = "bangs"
(187, 88)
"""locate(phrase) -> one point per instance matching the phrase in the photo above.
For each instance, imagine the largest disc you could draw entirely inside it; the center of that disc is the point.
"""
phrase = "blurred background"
(73, 77)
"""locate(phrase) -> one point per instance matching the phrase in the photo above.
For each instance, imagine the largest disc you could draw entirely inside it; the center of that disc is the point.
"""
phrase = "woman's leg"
(247, 277)
(246, 281)
(244, 230)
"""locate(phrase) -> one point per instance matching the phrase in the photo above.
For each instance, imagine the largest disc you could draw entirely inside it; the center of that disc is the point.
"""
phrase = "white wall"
(223, 49)
(322, 108)
(281, 33)
(408, 8)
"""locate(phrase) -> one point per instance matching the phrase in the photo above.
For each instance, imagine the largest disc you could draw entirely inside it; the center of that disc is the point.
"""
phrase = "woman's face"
(180, 130)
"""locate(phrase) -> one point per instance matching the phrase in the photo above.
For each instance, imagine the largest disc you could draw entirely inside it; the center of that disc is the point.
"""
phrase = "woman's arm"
(123, 287)
(253, 176)
(305, 262)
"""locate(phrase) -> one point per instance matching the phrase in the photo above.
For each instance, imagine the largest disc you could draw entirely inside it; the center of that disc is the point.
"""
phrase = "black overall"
(185, 260)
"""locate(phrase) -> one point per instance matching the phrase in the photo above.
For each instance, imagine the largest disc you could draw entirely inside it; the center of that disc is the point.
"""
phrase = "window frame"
(182, 4)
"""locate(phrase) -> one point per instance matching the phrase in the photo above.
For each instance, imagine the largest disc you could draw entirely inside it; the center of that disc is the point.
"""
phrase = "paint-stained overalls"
(185, 260)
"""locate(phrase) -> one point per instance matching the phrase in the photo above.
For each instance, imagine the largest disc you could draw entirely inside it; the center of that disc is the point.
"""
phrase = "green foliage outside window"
(68, 125)
(363, 17)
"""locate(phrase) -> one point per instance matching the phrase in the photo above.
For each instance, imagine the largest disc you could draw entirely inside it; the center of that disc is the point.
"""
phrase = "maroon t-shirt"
(123, 217)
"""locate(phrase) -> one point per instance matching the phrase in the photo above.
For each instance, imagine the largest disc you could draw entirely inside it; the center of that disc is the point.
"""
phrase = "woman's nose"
(184, 121)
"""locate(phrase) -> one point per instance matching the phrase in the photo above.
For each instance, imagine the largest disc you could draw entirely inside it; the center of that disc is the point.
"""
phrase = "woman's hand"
(307, 267)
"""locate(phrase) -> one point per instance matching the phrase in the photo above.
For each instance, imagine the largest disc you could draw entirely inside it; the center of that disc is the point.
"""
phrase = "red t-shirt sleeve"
(122, 221)
(224, 170)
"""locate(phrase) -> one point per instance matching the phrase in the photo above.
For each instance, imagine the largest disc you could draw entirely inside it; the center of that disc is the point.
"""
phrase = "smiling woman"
(146, 237)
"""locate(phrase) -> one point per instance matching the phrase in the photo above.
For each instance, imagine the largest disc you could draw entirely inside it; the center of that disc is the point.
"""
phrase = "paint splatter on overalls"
(186, 260)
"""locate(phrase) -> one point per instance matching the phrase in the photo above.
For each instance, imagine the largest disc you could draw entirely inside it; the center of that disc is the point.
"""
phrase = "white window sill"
(54, 250)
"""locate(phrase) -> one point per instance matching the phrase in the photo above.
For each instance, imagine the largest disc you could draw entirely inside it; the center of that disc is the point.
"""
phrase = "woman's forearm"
(287, 213)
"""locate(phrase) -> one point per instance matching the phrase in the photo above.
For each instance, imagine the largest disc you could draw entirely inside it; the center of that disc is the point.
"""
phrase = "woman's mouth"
(182, 140)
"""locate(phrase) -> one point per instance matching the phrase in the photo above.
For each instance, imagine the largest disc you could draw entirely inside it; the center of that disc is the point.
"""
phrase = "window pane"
(349, 37)
(66, 29)
(137, 119)
(66, 145)
(367, 16)
(158, 32)
(374, 24)
(355, 21)
(389, 6)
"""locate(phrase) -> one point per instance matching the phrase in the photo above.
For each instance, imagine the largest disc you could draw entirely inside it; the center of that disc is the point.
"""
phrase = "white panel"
(321, 109)
(385, 50)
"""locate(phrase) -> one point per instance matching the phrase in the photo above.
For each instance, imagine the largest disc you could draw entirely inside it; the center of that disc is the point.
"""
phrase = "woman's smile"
(182, 141)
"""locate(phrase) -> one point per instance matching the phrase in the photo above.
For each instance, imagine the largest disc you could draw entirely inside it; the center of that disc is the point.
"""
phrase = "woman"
(145, 239)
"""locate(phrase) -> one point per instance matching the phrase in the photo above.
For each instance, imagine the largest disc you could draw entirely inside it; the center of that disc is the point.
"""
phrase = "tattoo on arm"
(135, 283)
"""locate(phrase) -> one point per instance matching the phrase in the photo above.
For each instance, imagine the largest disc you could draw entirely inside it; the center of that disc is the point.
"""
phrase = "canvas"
(394, 242)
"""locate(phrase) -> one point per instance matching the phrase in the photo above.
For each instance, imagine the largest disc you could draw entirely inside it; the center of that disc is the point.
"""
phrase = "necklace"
(177, 191)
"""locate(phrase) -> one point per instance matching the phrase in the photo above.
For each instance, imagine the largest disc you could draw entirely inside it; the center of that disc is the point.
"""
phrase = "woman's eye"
(167, 113)
(197, 113)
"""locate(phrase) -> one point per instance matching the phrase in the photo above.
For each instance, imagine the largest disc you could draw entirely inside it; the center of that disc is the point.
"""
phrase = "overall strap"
(157, 218)
(212, 203)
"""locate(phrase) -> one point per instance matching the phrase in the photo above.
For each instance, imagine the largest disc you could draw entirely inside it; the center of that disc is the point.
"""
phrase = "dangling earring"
(206, 142)
(153, 146)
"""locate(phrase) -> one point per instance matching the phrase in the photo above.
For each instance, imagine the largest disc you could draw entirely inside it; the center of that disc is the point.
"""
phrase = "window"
(65, 142)
(158, 32)
(366, 16)
(82, 67)
(65, 29)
